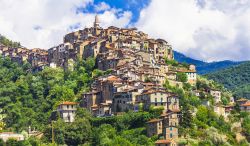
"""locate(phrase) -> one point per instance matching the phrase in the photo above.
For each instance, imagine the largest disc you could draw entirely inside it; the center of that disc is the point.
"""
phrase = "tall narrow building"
(97, 22)
(96, 26)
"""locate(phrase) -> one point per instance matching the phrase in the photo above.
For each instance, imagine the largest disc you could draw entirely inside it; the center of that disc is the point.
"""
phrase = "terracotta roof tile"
(246, 104)
(68, 103)
(163, 141)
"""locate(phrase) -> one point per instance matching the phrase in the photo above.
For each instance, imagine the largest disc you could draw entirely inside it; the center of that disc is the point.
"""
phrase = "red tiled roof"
(246, 104)
(163, 141)
(113, 78)
(68, 103)
(175, 110)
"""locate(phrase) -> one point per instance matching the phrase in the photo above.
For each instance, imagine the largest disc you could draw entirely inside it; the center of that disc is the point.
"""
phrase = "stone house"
(170, 124)
(228, 109)
(91, 99)
(124, 101)
(216, 94)
(158, 99)
(219, 110)
(104, 109)
(154, 127)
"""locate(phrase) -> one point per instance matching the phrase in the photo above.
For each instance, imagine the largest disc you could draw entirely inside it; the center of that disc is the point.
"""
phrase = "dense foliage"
(9, 43)
(199, 124)
(235, 78)
(28, 99)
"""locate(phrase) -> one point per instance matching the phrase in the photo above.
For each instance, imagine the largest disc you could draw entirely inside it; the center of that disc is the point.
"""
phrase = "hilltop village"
(138, 69)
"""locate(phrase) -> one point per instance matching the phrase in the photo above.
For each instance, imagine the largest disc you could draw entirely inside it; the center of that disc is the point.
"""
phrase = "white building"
(7, 135)
(67, 111)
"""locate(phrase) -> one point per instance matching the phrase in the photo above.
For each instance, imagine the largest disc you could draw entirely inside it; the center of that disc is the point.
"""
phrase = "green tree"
(186, 120)
(78, 132)
(182, 77)
(11, 142)
(1, 142)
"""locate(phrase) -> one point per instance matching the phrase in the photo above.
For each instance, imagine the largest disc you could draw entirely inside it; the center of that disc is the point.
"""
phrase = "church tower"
(97, 22)
(96, 26)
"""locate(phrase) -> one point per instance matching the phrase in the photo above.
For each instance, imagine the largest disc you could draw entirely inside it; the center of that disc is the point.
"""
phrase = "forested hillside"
(27, 99)
(205, 67)
(6, 42)
(235, 78)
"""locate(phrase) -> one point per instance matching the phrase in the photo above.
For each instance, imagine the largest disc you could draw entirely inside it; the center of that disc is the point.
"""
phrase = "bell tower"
(97, 22)
(96, 28)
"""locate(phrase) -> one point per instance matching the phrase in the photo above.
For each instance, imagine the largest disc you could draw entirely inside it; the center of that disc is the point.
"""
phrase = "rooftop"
(68, 103)
(242, 99)
(163, 141)
(246, 104)
(154, 120)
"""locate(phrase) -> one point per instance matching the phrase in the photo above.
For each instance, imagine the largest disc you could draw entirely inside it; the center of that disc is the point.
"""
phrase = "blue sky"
(135, 6)
(209, 30)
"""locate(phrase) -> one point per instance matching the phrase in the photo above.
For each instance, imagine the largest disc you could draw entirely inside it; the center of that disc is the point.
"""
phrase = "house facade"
(67, 111)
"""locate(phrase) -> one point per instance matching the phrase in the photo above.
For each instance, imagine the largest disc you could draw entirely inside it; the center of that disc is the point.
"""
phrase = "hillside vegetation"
(235, 78)
(27, 99)
(8, 43)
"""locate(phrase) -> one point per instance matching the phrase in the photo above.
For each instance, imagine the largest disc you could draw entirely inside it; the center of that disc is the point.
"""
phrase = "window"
(67, 106)
(171, 135)
(171, 128)
(68, 118)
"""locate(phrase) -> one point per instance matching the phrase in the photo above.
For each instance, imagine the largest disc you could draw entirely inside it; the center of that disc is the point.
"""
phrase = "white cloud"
(43, 23)
(102, 7)
(204, 29)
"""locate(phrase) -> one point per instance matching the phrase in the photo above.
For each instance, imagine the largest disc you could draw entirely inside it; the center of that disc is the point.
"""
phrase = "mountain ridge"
(205, 67)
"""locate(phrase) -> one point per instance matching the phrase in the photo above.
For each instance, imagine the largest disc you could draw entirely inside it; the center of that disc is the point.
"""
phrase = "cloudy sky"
(208, 30)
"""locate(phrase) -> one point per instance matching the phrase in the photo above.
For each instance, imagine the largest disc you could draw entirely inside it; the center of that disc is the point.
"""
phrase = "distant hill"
(236, 78)
(205, 67)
